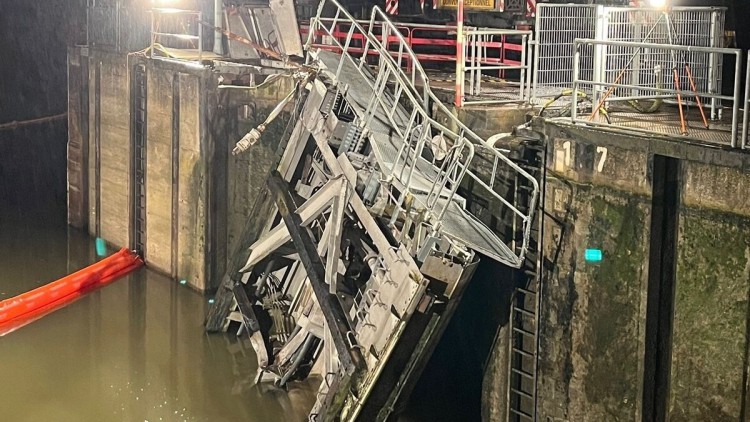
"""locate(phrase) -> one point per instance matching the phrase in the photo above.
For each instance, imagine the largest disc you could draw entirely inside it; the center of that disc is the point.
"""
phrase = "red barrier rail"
(26, 307)
(417, 37)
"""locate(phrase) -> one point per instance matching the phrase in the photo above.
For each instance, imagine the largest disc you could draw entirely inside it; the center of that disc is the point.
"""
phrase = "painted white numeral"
(603, 152)
(566, 147)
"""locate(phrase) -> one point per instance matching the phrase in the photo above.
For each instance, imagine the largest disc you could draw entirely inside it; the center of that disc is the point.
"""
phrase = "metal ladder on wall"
(139, 159)
(524, 328)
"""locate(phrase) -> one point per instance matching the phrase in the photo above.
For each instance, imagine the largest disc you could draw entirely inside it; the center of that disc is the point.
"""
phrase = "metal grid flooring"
(457, 222)
(492, 88)
(667, 122)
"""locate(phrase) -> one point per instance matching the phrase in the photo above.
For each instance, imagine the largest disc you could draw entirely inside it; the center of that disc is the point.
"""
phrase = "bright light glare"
(658, 3)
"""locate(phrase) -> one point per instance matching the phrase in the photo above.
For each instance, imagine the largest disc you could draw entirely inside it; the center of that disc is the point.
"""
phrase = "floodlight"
(659, 4)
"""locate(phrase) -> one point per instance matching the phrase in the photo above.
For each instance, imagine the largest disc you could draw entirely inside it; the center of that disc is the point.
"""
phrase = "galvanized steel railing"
(477, 41)
(485, 51)
(626, 84)
(411, 94)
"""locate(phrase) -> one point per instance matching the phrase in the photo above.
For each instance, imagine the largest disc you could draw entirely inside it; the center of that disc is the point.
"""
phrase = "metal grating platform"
(457, 223)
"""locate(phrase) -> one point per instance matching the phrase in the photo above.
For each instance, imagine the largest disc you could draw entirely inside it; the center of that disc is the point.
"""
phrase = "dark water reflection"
(132, 351)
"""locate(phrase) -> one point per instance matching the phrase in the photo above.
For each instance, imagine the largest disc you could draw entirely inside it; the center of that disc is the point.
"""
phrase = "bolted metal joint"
(250, 139)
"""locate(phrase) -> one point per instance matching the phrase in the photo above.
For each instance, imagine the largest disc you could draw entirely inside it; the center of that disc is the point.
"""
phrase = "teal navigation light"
(101, 247)
(593, 255)
(183, 282)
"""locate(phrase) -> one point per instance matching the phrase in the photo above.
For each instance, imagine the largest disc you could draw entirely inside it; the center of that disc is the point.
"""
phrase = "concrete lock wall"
(593, 319)
(198, 196)
(594, 314)
(109, 144)
(248, 171)
(710, 347)
(100, 160)
(78, 140)
(175, 221)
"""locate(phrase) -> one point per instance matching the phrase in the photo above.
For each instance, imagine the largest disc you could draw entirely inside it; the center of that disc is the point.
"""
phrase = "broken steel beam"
(349, 355)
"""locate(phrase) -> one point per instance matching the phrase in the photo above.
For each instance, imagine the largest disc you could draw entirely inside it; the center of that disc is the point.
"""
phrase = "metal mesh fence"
(654, 68)
(559, 25)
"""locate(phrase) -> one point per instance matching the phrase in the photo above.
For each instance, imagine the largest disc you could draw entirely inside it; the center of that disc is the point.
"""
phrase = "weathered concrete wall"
(486, 121)
(709, 356)
(593, 314)
(710, 348)
(592, 338)
(158, 252)
(191, 212)
(115, 148)
(77, 149)
(248, 171)
(109, 147)
(176, 227)
(177, 159)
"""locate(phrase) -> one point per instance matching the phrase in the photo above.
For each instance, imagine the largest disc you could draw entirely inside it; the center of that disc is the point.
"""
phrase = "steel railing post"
(745, 105)
(737, 96)
(460, 55)
(576, 70)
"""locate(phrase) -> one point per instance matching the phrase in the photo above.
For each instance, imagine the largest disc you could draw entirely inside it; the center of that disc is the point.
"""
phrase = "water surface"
(132, 351)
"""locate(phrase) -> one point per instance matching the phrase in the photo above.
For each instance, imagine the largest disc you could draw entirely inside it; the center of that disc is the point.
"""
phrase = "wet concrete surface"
(132, 351)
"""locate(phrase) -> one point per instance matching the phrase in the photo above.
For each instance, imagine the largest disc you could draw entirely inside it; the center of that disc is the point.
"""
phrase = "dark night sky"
(33, 82)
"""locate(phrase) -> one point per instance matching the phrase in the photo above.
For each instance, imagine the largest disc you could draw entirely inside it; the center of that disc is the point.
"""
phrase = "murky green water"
(132, 351)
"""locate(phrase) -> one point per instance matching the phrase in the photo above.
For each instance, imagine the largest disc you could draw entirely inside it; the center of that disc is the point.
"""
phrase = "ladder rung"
(522, 414)
(524, 332)
(526, 291)
(522, 393)
(525, 312)
(522, 373)
(522, 352)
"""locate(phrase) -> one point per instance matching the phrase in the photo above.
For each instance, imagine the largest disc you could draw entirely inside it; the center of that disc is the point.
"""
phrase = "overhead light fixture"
(659, 4)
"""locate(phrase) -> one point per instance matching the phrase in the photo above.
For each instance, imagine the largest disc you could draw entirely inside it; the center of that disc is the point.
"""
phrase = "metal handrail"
(478, 41)
(389, 70)
(658, 91)
(475, 53)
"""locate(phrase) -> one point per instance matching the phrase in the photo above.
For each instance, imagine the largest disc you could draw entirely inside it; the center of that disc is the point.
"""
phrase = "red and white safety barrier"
(391, 7)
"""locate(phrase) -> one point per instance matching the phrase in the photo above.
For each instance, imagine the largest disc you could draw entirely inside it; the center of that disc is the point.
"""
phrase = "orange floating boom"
(45, 298)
